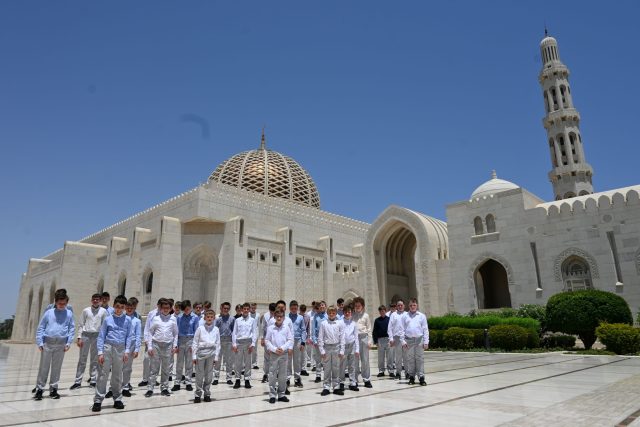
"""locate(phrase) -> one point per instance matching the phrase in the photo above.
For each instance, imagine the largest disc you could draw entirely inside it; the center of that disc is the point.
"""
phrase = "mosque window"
(263, 256)
(338, 267)
(491, 223)
(576, 274)
(251, 254)
(275, 258)
(345, 268)
(318, 264)
(298, 261)
(354, 268)
(148, 286)
(477, 225)
(307, 263)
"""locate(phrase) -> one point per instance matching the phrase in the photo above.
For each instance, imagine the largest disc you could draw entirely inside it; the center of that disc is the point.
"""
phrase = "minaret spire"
(570, 174)
(263, 141)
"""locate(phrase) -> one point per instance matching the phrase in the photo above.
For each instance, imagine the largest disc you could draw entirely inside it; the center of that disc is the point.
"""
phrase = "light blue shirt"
(115, 330)
(110, 310)
(187, 325)
(136, 326)
(299, 328)
(56, 324)
(317, 320)
(225, 325)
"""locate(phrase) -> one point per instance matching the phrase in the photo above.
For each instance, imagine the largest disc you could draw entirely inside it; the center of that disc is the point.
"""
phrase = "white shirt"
(414, 325)
(278, 337)
(147, 324)
(244, 327)
(286, 322)
(331, 332)
(351, 334)
(364, 325)
(163, 329)
(204, 338)
(91, 319)
(395, 325)
(264, 323)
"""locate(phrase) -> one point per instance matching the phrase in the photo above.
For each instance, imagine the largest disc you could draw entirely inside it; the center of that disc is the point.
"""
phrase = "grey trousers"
(113, 364)
(277, 374)
(127, 368)
(51, 358)
(295, 362)
(161, 362)
(309, 355)
(362, 360)
(317, 357)
(204, 375)
(332, 366)
(226, 357)
(254, 356)
(184, 365)
(348, 363)
(243, 358)
(384, 355)
(146, 364)
(89, 348)
(399, 355)
(266, 360)
(414, 357)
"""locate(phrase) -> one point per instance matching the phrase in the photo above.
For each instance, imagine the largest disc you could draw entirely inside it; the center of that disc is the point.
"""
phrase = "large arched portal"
(395, 253)
(200, 275)
(492, 285)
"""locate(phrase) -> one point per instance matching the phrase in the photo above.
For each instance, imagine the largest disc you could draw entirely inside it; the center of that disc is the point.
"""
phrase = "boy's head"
(392, 307)
(279, 316)
(340, 303)
(238, 308)
(206, 305)
(254, 306)
(197, 308)
(245, 309)
(272, 307)
(332, 311)
(413, 305)
(177, 306)
(209, 316)
(347, 311)
(96, 299)
(61, 299)
(400, 306)
(106, 297)
(185, 306)
(358, 304)
(293, 307)
(281, 305)
(303, 309)
(382, 310)
(165, 306)
(322, 307)
(118, 305)
(224, 308)
(134, 302)
(130, 308)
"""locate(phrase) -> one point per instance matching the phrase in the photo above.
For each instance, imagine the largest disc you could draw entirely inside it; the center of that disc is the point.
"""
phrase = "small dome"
(493, 186)
(270, 173)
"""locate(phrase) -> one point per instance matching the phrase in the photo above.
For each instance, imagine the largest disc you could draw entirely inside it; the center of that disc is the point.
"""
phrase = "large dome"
(270, 173)
(493, 186)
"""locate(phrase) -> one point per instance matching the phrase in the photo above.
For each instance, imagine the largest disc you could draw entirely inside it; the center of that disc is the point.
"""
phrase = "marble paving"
(465, 389)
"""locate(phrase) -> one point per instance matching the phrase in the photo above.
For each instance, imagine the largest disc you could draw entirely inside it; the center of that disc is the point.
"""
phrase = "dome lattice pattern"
(270, 173)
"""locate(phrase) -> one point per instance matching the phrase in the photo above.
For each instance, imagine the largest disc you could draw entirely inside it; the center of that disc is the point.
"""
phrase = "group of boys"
(335, 341)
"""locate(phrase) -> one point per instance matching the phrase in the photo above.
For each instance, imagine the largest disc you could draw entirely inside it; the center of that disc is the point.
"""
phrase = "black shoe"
(286, 391)
(398, 376)
(75, 386)
(54, 394)
(182, 379)
(313, 369)
(118, 405)
(338, 392)
(196, 399)
(308, 365)
(157, 384)
(304, 373)
(237, 384)
(215, 382)
(247, 384)
(422, 381)
(392, 375)
(92, 385)
(380, 374)
(175, 387)
(108, 395)
(283, 399)
(256, 367)
(265, 378)
(342, 386)
(325, 392)
(149, 393)
(207, 398)
(318, 379)
(367, 384)
(97, 407)
(346, 374)
(288, 383)
(354, 388)
(193, 374)
(129, 387)
(38, 395)
(143, 383)
(165, 392)
(189, 387)
(242, 373)
(298, 383)
(33, 390)
(230, 382)
(126, 393)
(412, 380)
(170, 378)
(272, 400)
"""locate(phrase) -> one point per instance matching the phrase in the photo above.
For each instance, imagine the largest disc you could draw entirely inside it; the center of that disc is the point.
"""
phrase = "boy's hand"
(175, 350)
(262, 342)
(135, 354)
(125, 358)
(67, 347)
(357, 354)
(426, 346)
(341, 356)
(195, 361)
(80, 342)
(150, 351)
(41, 348)
(405, 346)
(101, 359)
(290, 352)
(279, 351)
(235, 348)
(250, 349)
(325, 357)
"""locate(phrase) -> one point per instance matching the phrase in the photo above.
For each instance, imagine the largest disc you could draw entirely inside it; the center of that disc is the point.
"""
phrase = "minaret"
(571, 174)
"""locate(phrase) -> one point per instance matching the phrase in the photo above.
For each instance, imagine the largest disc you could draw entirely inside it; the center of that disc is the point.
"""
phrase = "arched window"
(100, 287)
(477, 225)
(576, 274)
(52, 293)
(563, 92)
(584, 193)
(546, 102)
(491, 223)
(148, 284)
(122, 284)
(569, 195)
(554, 96)
(552, 148)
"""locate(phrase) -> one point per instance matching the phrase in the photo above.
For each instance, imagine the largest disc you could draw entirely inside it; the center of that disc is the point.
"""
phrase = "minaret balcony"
(558, 117)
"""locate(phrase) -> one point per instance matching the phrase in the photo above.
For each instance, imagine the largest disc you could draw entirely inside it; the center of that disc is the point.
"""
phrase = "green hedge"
(509, 337)
(561, 340)
(458, 338)
(481, 322)
(620, 338)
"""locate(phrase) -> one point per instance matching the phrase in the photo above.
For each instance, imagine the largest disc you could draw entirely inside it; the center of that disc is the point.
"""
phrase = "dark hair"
(186, 303)
(358, 300)
(280, 312)
(303, 307)
(171, 301)
(382, 307)
(272, 306)
(96, 296)
(209, 311)
(160, 301)
(225, 304)
(61, 296)
(293, 303)
(281, 302)
(413, 300)
(163, 301)
(238, 307)
(120, 299)
(246, 304)
(133, 301)
(340, 301)
(206, 304)
(105, 294)
(347, 307)
(195, 304)
(178, 303)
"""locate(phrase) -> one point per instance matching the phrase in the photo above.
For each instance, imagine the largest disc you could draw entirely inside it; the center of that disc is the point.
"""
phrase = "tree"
(6, 327)
(580, 313)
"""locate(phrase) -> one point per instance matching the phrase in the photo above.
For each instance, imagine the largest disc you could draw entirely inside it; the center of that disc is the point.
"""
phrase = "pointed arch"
(122, 283)
(52, 291)
(573, 251)
(100, 285)
(491, 279)
(200, 274)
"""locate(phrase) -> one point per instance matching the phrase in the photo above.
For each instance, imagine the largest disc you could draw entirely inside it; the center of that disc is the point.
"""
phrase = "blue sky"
(107, 108)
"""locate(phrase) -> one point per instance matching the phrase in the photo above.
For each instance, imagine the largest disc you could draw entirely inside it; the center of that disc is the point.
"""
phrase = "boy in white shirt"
(89, 326)
(364, 342)
(162, 344)
(256, 316)
(331, 349)
(205, 350)
(243, 342)
(394, 331)
(278, 343)
(415, 339)
(351, 349)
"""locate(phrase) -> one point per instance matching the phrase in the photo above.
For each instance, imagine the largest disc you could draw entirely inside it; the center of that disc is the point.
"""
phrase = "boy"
(177, 308)
(311, 363)
(318, 319)
(238, 311)
(224, 323)
(106, 297)
(205, 352)
(243, 341)
(89, 326)
(331, 348)
(394, 331)
(187, 325)
(60, 291)
(114, 342)
(340, 307)
(415, 339)
(254, 354)
(294, 365)
(351, 349)
(134, 349)
(381, 339)
(264, 325)
(53, 337)
(205, 306)
(162, 344)
(146, 361)
(279, 341)
(362, 367)
(307, 348)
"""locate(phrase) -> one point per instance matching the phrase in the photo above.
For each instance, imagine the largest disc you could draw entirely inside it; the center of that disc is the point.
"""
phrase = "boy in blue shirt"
(294, 364)
(53, 337)
(114, 344)
(134, 349)
(187, 325)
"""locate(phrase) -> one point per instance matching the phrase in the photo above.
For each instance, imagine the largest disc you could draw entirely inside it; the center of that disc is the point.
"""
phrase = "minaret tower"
(571, 174)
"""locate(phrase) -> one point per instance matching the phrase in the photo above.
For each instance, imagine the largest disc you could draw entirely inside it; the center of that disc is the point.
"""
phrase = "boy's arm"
(356, 345)
(425, 339)
(148, 335)
(234, 332)
(101, 336)
(128, 337)
(194, 344)
(390, 329)
(174, 327)
(42, 327)
(138, 336)
(71, 331)
(267, 342)
(341, 333)
(216, 338)
(289, 340)
(320, 340)
(303, 334)
(254, 333)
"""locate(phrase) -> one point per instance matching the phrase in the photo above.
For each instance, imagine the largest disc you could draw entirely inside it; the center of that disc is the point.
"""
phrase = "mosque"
(255, 232)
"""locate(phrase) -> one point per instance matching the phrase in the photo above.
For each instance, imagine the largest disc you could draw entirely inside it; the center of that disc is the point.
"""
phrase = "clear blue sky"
(107, 108)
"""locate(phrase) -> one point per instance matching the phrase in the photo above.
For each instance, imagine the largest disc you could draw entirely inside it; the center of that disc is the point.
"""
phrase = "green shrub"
(508, 337)
(534, 311)
(435, 339)
(620, 338)
(580, 313)
(458, 338)
(481, 322)
(559, 340)
(533, 338)
(478, 338)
